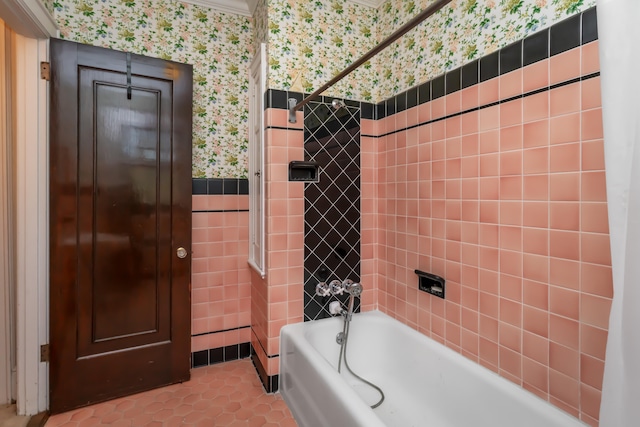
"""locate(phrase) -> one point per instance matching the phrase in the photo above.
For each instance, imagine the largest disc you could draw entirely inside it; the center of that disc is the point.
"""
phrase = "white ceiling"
(246, 7)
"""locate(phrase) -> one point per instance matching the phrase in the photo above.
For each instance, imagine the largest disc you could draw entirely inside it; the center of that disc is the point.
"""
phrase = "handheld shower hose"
(354, 290)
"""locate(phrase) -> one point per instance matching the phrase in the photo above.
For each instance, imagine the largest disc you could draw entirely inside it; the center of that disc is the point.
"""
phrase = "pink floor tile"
(228, 394)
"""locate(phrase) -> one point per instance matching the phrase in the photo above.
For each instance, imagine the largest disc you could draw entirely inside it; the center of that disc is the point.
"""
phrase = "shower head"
(356, 289)
(337, 104)
(352, 288)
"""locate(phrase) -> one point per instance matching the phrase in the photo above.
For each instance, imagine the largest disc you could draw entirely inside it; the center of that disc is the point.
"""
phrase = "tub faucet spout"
(336, 308)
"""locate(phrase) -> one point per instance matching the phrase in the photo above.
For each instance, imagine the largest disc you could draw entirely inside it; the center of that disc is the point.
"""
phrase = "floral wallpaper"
(260, 24)
(311, 40)
(49, 5)
(462, 31)
(218, 45)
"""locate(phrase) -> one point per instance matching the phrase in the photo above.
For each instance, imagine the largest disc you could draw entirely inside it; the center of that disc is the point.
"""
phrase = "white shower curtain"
(619, 35)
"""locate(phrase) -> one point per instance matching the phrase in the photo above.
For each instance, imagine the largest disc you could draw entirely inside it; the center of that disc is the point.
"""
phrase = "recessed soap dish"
(300, 171)
(430, 283)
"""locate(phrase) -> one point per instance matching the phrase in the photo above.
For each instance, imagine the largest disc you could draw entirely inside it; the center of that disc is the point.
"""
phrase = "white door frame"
(7, 320)
(257, 170)
(33, 25)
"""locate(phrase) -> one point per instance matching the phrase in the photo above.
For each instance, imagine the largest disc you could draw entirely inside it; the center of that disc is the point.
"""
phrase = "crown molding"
(247, 7)
(236, 7)
(371, 3)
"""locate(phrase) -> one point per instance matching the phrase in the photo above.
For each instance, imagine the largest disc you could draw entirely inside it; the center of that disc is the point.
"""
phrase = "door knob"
(181, 252)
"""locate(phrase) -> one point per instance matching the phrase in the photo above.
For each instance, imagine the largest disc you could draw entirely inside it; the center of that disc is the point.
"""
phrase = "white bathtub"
(425, 383)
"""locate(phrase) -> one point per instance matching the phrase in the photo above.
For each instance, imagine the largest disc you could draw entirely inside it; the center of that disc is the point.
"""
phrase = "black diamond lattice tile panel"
(332, 206)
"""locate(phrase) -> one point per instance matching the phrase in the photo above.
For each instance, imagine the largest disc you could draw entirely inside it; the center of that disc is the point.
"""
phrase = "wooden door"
(120, 203)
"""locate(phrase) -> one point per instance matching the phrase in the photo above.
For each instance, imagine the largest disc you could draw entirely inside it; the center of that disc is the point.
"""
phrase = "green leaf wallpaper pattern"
(309, 42)
(218, 45)
(312, 40)
(260, 24)
(463, 31)
(49, 5)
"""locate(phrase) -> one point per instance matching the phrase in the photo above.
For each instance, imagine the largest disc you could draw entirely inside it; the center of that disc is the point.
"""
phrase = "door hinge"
(44, 353)
(45, 71)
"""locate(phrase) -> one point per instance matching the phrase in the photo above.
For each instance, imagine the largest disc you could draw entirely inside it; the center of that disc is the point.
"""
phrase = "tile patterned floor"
(227, 394)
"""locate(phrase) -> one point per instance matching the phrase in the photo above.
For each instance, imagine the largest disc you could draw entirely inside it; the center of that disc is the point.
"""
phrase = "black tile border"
(275, 98)
(453, 81)
(213, 356)
(412, 97)
(401, 102)
(470, 73)
(511, 57)
(438, 87)
(589, 26)
(565, 35)
(577, 30)
(492, 104)
(270, 383)
(489, 66)
(390, 106)
(219, 186)
(535, 48)
(424, 93)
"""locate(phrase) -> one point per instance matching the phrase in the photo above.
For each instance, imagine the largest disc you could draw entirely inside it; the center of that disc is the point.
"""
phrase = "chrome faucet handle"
(323, 289)
(336, 287)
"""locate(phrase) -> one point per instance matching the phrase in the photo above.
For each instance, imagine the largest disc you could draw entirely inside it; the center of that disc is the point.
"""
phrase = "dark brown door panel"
(120, 197)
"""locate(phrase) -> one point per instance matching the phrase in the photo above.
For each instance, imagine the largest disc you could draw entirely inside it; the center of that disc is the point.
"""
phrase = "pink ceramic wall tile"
(511, 113)
(593, 187)
(564, 66)
(565, 158)
(591, 371)
(564, 389)
(536, 134)
(595, 310)
(595, 249)
(438, 108)
(400, 120)
(564, 216)
(488, 91)
(594, 217)
(453, 103)
(565, 99)
(511, 84)
(536, 107)
(590, 402)
(590, 58)
(592, 124)
(593, 155)
(564, 273)
(565, 128)
(469, 97)
(535, 76)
